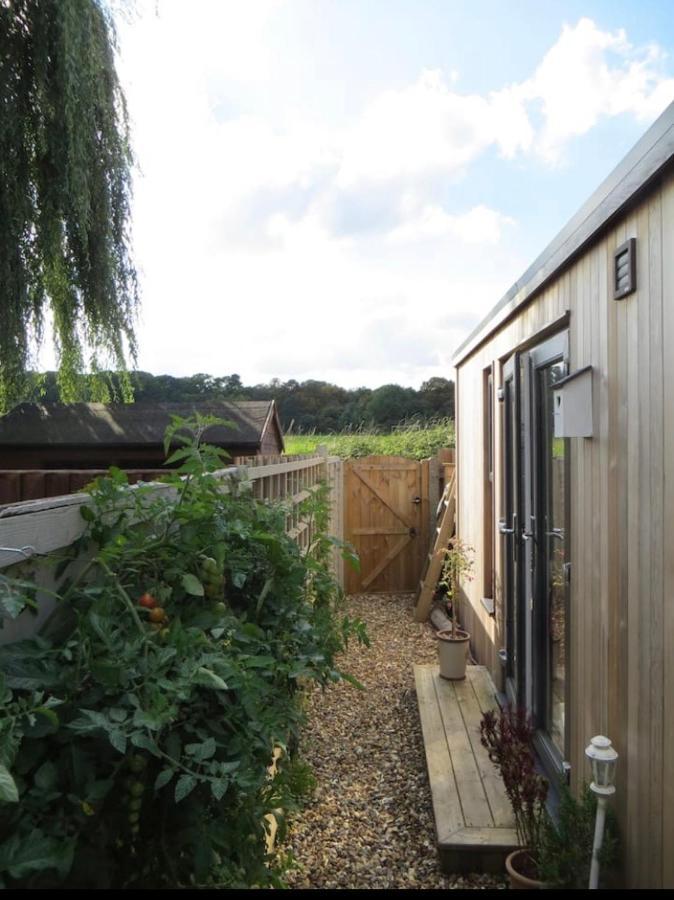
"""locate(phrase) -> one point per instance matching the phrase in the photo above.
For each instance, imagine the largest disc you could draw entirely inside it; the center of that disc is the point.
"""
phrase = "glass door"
(534, 527)
(509, 528)
(550, 582)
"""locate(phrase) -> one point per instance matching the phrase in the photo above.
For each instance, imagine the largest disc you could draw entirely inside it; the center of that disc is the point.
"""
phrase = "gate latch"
(413, 532)
(417, 500)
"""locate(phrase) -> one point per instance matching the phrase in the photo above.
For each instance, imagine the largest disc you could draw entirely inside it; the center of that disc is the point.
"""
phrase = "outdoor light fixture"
(603, 758)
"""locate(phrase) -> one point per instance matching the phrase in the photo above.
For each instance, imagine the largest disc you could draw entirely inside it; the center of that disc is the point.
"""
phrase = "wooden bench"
(473, 817)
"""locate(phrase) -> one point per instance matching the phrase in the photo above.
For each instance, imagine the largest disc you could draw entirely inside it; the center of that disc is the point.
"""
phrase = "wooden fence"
(390, 518)
(45, 526)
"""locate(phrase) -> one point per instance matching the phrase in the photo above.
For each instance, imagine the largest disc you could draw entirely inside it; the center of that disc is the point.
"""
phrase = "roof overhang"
(621, 190)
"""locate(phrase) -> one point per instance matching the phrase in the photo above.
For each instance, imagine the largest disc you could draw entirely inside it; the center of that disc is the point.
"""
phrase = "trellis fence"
(35, 528)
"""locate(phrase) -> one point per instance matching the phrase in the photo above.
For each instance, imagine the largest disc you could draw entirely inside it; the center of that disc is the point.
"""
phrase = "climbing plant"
(64, 192)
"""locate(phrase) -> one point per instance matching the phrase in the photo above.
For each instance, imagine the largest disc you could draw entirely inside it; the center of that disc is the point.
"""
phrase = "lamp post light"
(603, 758)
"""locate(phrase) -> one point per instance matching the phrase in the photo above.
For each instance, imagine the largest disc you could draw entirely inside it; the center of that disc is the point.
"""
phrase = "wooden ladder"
(445, 519)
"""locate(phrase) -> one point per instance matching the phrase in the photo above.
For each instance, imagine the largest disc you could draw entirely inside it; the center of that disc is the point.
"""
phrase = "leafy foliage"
(64, 192)
(560, 848)
(139, 725)
(458, 564)
(566, 844)
(508, 737)
(304, 407)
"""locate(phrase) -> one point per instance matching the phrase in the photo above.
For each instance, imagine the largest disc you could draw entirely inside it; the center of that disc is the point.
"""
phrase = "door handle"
(556, 533)
(502, 527)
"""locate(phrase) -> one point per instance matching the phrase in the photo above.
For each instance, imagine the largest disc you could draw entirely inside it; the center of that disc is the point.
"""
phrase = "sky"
(342, 189)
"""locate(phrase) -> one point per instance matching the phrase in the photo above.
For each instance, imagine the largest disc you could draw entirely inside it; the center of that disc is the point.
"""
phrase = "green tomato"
(133, 817)
(137, 763)
(135, 804)
(137, 789)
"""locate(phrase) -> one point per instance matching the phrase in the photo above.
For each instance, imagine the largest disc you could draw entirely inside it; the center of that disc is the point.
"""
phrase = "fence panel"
(51, 524)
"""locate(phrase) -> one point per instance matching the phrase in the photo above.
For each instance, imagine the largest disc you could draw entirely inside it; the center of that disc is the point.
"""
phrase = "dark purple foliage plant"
(508, 737)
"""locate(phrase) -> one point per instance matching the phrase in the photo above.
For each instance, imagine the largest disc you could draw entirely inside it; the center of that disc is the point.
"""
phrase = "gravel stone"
(370, 822)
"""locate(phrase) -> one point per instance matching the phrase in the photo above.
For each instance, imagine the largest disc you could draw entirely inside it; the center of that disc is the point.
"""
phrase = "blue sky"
(341, 189)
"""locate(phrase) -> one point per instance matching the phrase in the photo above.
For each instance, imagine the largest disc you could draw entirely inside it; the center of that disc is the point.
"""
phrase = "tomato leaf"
(8, 789)
(219, 788)
(192, 585)
(184, 786)
(163, 779)
(207, 678)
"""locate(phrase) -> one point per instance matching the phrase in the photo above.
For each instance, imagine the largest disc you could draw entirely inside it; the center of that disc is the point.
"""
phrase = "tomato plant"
(134, 753)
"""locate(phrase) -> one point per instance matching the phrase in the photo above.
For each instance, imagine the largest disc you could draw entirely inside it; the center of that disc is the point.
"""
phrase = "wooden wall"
(622, 517)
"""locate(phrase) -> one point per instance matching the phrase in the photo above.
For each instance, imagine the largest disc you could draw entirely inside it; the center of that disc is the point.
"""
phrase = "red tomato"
(147, 601)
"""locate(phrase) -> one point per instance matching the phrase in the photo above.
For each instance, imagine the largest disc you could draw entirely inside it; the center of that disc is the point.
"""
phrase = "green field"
(413, 441)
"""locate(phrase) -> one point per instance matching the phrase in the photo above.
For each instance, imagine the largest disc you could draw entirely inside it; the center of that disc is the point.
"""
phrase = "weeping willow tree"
(65, 187)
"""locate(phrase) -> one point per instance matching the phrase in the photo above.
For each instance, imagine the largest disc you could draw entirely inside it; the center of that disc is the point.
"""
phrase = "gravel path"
(370, 823)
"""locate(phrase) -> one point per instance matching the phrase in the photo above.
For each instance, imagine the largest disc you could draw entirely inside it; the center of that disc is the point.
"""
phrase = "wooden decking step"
(473, 818)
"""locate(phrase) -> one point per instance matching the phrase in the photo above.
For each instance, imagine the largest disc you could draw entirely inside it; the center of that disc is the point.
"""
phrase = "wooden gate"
(387, 521)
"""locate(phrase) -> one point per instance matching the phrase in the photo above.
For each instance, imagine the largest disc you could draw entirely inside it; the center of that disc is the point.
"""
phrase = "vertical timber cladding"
(386, 501)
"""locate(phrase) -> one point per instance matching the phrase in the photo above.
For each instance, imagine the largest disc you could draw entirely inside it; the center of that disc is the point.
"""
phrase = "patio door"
(535, 533)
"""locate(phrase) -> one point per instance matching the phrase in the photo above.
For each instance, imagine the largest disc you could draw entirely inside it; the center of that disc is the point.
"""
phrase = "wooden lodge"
(52, 449)
(565, 466)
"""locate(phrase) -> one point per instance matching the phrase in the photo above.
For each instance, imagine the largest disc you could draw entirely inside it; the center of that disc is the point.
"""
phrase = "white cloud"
(275, 245)
(480, 225)
(422, 130)
(591, 74)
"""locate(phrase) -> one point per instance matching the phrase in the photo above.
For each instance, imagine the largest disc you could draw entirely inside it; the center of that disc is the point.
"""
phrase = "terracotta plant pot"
(452, 653)
(517, 863)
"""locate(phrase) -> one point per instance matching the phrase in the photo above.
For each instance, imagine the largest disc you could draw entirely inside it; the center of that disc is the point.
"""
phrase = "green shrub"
(566, 846)
(138, 726)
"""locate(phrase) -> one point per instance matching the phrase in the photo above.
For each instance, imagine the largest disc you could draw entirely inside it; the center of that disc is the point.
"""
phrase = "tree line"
(303, 406)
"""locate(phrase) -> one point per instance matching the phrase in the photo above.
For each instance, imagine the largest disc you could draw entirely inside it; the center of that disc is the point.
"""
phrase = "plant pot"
(517, 863)
(453, 654)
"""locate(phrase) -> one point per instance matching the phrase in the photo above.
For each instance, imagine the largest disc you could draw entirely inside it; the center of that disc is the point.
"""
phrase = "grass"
(414, 441)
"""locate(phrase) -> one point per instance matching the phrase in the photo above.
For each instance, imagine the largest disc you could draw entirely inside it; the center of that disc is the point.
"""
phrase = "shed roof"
(132, 424)
(623, 187)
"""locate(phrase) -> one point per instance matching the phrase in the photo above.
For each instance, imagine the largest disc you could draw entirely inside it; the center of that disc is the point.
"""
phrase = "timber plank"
(476, 810)
(446, 804)
(457, 787)
(492, 784)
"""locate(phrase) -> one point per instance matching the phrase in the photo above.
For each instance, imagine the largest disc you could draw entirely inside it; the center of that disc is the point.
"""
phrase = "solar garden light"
(603, 758)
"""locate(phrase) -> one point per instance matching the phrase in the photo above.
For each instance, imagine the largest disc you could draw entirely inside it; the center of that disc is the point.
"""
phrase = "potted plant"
(453, 642)
(508, 737)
